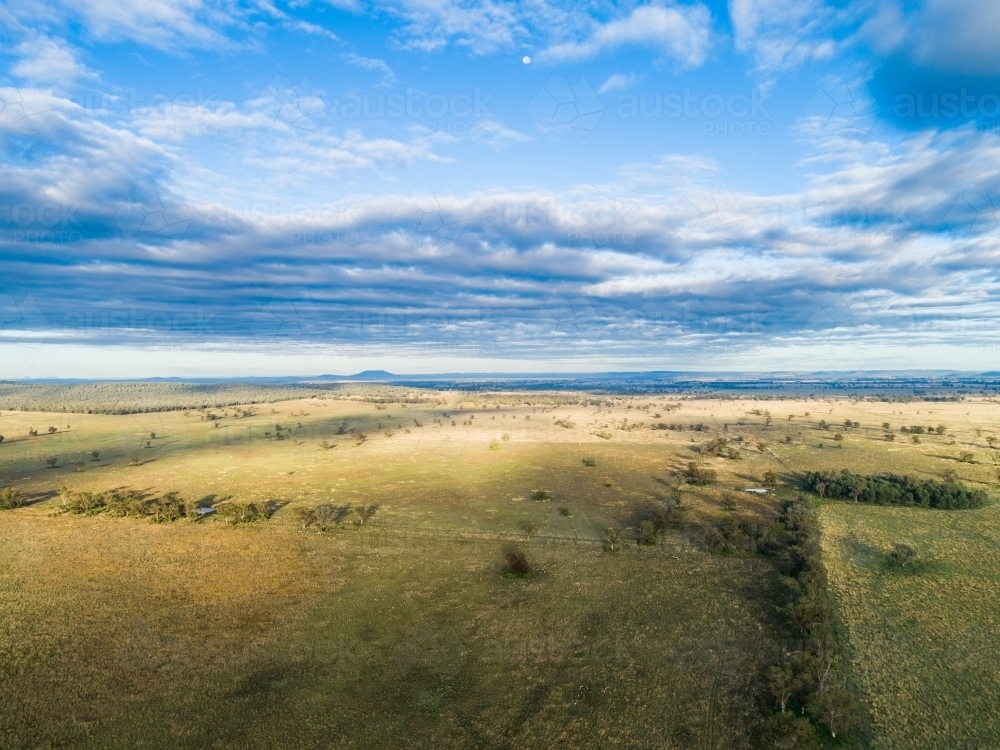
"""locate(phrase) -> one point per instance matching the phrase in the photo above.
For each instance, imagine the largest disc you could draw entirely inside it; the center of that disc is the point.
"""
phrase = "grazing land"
(369, 605)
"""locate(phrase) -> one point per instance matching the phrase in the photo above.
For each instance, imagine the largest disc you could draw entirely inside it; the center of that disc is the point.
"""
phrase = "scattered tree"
(612, 538)
(903, 553)
(696, 474)
(516, 564)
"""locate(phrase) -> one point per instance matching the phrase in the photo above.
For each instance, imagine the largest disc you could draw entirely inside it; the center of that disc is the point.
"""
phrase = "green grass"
(923, 635)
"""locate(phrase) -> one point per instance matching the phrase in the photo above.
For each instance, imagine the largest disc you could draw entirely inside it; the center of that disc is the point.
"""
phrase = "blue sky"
(193, 187)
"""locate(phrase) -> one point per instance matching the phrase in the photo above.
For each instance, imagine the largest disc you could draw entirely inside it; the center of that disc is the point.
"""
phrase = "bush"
(646, 533)
(10, 498)
(540, 495)
(893, 489)
(787, 731)
(903, 553)
(695, 474)
(239, 511)
(516, 564)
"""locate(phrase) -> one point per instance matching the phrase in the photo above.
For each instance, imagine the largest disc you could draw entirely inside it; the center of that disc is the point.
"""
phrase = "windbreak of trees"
(128, 503)
(160, 509)
(807, 682)
(893, 489)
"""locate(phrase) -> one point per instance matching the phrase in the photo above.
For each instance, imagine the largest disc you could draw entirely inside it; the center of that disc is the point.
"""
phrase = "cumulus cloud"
(48, 60)
(679, 32)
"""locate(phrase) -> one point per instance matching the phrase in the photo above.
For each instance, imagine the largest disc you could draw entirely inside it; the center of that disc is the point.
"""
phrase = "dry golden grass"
(121, 633)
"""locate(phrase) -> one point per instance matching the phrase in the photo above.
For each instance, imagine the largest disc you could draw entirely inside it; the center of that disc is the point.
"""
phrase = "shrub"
(588, 462)
(695, 474)
(516, 564)
(770, 479)
(787, 731)
(237, 511)
(903, 553)
(712, 538)
(540, 495)
(51, 462)
(646, 533)
(10, 498)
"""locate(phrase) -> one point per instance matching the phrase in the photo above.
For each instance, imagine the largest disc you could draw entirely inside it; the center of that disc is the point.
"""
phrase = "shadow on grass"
(39, 497)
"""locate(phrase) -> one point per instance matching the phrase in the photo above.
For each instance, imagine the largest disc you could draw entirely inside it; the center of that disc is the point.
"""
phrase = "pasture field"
(923, 636)
(402, 630)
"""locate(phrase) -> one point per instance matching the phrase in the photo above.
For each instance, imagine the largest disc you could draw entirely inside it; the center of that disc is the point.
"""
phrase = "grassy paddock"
(923, 635)
(117, 632)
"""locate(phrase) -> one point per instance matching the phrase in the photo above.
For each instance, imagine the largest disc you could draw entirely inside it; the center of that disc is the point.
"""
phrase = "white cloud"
(47, 60)
(618, 82)
(783, 34)
(158, 23)
(482, 26)
(373, 63)
(680, 32)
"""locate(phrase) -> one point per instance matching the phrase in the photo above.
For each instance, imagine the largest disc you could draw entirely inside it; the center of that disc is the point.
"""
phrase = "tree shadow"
(38, 497)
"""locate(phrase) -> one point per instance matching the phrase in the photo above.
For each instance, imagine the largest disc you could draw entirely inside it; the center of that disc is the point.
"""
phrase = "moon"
(526, 60)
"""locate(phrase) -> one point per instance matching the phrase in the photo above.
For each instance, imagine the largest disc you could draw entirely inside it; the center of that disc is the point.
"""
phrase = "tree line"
(160, 509)
(806, 682)
(894, 489)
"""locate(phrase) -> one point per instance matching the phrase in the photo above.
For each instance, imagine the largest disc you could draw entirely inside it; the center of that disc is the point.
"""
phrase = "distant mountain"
(374, 375)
